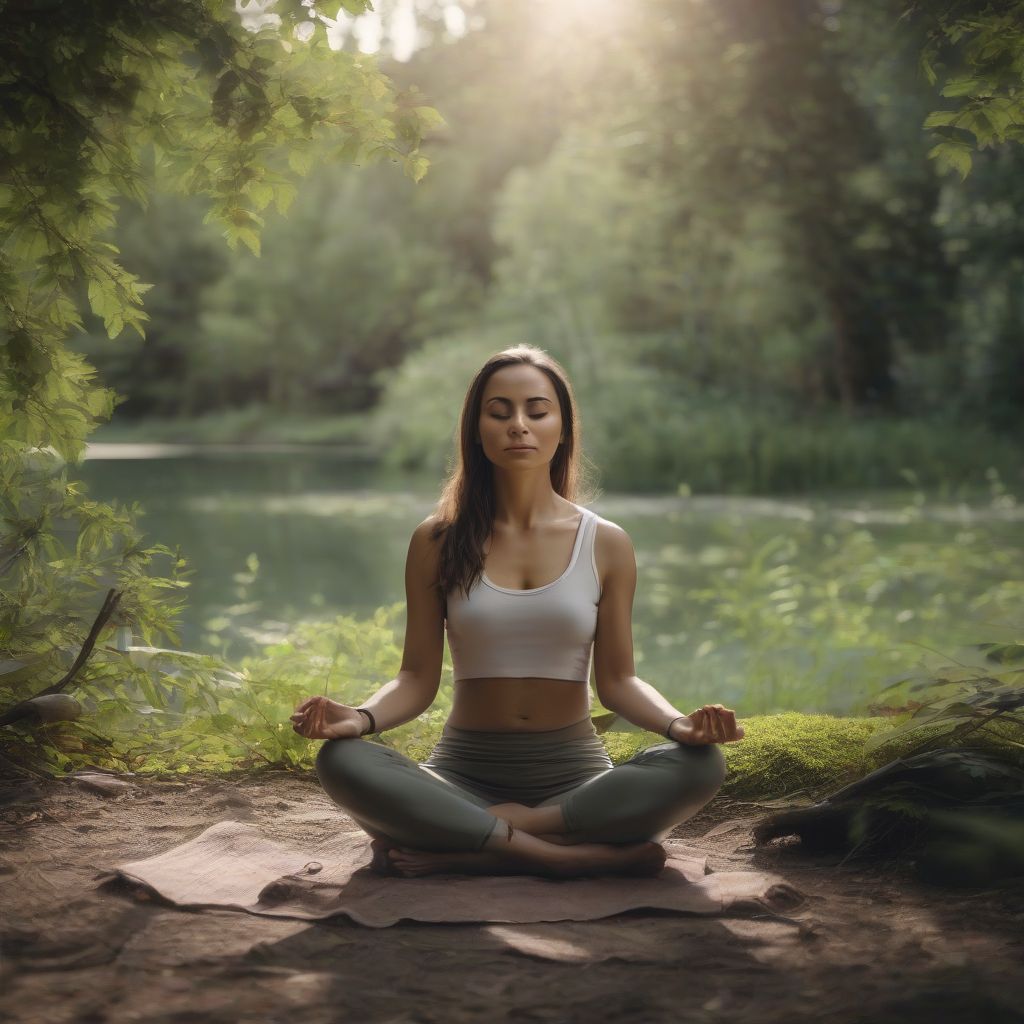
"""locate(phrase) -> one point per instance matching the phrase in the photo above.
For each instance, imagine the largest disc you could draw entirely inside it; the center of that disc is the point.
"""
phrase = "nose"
(518, 422)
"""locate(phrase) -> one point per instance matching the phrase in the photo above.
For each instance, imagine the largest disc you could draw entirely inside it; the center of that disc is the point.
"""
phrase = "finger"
(728, 726)
(728, 720)
(709, 727)
(707, 731)
(699, 719)
(719, 726)
(707, 723)
(306, 703)
(311, 717)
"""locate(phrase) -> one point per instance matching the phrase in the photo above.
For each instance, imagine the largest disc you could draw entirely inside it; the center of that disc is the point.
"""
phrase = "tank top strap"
(583, 558)
(586, 556)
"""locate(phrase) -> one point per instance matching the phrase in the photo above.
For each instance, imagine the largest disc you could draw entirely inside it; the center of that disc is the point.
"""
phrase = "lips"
(521, 448)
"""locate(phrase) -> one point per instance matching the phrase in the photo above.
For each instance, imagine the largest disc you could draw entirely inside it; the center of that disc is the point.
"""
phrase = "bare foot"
(381, 863)
(536, 858)
(560, 839)
(537, 821)
(517, 815)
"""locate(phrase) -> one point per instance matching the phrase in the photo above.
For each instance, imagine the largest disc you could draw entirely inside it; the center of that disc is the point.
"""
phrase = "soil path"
(869, 944)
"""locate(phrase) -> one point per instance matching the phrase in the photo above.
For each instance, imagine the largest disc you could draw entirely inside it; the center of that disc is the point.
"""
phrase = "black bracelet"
(670, 724)
(373, 724)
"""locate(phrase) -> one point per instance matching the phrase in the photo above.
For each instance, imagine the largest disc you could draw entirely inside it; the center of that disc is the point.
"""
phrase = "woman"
(519, 781)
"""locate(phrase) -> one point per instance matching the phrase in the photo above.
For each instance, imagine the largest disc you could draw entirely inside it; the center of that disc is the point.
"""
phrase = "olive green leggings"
(441, 804)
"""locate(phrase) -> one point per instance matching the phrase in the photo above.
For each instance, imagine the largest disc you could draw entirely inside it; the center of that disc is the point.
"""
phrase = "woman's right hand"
(711, 723)
(320, 718)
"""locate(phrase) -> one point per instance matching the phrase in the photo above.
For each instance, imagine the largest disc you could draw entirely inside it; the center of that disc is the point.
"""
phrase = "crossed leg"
(423, 823)
(545, 820)
(514, 847)
(612, 823)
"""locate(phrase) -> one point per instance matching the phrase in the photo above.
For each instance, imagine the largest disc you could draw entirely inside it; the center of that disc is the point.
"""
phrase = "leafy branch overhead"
(977, 51)
(112, 99)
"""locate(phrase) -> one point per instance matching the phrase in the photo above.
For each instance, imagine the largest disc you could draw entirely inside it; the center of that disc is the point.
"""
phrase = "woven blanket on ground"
(232, 865)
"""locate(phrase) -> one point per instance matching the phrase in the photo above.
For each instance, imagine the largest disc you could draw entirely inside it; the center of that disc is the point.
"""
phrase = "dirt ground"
(868, 944)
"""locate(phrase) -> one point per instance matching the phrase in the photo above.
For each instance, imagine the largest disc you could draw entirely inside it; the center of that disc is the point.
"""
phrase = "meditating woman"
(532, 589)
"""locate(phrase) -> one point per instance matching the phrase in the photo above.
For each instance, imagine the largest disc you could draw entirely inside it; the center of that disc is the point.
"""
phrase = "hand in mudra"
(712, 723)
(320, 718)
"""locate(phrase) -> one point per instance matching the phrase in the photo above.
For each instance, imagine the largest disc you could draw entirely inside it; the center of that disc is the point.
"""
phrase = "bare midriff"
(518, 705)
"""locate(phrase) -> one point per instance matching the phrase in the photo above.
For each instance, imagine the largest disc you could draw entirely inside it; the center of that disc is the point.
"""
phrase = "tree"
(112, 100)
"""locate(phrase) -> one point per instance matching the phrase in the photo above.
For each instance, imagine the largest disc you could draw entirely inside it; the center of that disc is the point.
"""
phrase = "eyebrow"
(502, 398)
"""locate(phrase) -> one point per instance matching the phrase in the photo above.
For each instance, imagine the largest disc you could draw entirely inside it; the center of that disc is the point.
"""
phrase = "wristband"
(668, 731)
(369, 715)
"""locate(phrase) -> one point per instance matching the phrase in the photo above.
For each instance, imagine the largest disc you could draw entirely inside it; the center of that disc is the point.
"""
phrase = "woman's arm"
(619, 689)
(413, 690)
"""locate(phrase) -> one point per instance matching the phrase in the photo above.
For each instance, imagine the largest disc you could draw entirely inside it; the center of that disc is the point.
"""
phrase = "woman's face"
(520, 419)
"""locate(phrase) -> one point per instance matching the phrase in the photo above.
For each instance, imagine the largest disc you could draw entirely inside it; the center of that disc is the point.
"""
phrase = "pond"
(809, 604)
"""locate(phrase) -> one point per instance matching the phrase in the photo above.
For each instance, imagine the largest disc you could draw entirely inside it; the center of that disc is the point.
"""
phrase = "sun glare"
(577, 15)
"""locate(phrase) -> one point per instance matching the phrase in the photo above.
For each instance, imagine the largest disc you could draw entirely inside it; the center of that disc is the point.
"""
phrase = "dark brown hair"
(465, 510)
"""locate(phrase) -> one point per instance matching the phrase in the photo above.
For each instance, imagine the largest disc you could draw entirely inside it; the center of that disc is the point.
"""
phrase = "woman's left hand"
(712, 723)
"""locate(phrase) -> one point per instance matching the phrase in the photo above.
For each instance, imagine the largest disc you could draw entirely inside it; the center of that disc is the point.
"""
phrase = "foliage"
(105, 102)
(819, 614)
(963, 701)
(978, 52)
(59, 553)
(270, 326)
(197, 714)
(649, 430)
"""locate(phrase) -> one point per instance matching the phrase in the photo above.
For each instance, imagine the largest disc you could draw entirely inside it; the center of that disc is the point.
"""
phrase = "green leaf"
(416, 166)
(963, 87)
(250, 238)
(941, 118)
(952, 156)
(927, 69)
(429, 118)
(300, 160)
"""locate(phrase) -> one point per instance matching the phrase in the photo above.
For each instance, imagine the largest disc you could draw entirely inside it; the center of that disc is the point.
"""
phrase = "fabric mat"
(232, 865)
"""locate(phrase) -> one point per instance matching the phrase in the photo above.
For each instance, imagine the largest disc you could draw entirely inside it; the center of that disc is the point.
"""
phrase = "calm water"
(761, 604)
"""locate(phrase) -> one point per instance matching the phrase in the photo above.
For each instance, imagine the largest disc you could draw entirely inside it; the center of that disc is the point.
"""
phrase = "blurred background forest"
(722, 217)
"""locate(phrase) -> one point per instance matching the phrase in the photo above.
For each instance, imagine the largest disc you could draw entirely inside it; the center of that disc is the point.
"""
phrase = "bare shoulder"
(612, 537)
(426, 529)
(613, 551)
(424, 544)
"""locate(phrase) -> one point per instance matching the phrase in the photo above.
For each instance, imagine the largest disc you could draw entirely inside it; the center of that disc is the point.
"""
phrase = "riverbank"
(724, 451)
(252, 425)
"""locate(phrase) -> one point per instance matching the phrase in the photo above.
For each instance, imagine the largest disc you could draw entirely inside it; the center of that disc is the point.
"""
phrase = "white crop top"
(547, 632)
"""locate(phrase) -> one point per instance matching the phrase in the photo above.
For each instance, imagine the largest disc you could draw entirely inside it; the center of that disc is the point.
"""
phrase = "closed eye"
(537, 416)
